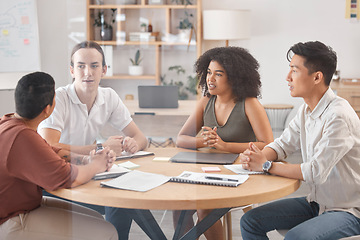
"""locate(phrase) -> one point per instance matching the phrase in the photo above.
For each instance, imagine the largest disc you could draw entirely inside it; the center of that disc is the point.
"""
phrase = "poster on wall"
(352, 9)
(19, 37)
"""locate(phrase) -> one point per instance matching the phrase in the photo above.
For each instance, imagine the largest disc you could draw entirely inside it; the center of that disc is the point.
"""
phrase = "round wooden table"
(180, 196)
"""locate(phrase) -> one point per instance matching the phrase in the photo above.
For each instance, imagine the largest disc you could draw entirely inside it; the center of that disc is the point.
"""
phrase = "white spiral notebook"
(210, 179)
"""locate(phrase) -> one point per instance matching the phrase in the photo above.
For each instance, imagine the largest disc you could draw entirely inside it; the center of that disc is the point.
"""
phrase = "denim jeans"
(301, 217)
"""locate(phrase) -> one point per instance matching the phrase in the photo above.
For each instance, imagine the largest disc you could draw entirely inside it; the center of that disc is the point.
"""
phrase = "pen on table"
(222, 179)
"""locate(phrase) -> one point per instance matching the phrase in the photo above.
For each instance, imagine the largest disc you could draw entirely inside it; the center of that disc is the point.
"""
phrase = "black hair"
(318, 57)
(240, 66)
(33, 93)
(87, 44)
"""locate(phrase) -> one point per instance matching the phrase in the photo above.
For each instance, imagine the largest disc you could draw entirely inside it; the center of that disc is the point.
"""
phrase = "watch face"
(99, 147)
(266, 166)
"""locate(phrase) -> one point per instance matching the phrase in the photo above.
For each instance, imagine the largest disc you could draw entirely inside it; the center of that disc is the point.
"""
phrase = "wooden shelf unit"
(349, 90)
(143, 4)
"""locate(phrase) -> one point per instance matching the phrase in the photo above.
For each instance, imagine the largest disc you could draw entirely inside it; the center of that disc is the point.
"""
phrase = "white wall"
(276, 26)
(52, 22)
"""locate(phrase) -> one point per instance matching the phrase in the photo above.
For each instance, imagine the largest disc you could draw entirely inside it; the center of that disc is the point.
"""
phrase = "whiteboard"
(19, 37)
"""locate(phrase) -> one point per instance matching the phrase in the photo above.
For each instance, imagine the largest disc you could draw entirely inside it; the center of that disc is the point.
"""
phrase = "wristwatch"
(266, 166)
(99, 147)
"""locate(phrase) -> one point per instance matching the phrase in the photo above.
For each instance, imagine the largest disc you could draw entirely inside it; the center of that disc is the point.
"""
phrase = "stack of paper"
(237, 168)
(137, 181)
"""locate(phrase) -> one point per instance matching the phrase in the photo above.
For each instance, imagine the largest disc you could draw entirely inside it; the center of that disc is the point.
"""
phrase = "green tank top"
(237, 127)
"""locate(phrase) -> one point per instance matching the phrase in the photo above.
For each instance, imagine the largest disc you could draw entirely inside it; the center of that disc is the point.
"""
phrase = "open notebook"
(210, 179)
(143, 181)
(114, 171)
(125, 155)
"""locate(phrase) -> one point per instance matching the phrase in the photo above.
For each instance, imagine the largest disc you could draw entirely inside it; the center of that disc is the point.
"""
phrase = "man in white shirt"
(82, 110)
(326, 130)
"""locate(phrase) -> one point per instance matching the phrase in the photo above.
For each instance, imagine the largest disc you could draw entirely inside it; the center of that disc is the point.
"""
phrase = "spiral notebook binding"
(174, 179)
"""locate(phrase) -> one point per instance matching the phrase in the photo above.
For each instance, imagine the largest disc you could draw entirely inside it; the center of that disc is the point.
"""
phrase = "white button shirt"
(329, 140)
(77, 126)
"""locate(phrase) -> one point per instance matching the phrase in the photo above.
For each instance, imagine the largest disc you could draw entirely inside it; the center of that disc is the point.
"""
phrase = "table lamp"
(226, 25)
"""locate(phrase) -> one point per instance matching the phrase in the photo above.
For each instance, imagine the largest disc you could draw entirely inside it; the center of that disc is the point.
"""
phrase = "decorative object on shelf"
(127, 2)
(237, 24)
(150, 29)
(184, 90)
(108, 52)
(156, 2)
(185, 27)
(136, 69)
(143, 27)
(150, 26)
(182, 2)
(139, 37)
(106, 29)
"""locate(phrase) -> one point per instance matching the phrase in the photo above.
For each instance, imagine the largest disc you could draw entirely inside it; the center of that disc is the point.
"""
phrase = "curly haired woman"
(228, 116)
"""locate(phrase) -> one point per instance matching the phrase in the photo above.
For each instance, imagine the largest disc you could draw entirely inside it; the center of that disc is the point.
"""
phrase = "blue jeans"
(116, 216)
(301, 217)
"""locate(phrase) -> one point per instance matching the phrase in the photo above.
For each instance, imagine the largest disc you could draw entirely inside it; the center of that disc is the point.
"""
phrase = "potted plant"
(135, 69)
(185, 91)
(106, 29)
(185, 27)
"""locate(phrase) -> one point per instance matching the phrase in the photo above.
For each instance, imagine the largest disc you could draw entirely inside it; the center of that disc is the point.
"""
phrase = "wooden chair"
(227, 222)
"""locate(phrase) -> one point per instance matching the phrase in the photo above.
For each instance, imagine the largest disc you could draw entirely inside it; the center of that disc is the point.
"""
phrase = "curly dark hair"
(240, 66)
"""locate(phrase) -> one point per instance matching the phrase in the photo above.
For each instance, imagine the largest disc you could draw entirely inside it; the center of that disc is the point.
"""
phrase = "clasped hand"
(120, 144)
(252, 158)
(211, 138)
(105, 158)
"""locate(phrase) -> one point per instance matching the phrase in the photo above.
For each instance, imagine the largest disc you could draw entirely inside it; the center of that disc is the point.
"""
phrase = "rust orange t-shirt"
(27, 164)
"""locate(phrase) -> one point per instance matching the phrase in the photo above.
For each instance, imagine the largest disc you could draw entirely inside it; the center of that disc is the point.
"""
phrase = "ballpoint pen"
(222, 179)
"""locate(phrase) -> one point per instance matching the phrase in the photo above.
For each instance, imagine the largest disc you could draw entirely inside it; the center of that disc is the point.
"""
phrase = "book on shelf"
(210, 179)
(126, 155)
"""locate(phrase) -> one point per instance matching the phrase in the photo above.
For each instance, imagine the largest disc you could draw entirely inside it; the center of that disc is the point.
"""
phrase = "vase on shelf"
(135, 70)
(106, 34)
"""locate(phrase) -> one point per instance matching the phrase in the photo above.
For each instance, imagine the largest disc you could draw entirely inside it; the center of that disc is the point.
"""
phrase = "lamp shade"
(226, 24)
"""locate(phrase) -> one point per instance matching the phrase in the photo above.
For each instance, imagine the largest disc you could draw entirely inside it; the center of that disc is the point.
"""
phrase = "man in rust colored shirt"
(28, 164)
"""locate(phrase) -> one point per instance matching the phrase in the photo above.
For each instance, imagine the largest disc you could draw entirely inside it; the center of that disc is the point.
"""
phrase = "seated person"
(229, 115)
(28, 164)
(82, 110)
(326, 130)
